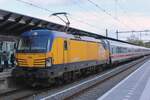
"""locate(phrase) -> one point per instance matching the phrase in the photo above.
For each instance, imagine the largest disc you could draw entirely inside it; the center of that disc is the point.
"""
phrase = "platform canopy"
(13, 24)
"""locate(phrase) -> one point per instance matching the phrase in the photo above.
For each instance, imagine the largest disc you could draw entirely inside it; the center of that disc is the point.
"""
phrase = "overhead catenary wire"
(107, 13)
(94, 13)
(114, 17)
(45, 9)
(34, 5)
(134, 22)
(49, 11)
(97, 14)
(125, 12)
(80, 20)
(83, 22)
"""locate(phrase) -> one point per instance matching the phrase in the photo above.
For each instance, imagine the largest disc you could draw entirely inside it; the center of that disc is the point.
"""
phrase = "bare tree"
(133, 39)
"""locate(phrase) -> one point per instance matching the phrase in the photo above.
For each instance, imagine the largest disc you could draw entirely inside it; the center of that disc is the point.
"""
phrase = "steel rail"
(69, 92)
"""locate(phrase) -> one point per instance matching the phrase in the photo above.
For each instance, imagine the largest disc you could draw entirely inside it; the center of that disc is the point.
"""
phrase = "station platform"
(4, 79)
(5, 73)
(134, 87)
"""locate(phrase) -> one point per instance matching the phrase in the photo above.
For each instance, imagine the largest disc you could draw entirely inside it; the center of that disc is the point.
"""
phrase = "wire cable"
(133, 21)
(109, 14)
(47, 10)
(94, 13)
(34, 5)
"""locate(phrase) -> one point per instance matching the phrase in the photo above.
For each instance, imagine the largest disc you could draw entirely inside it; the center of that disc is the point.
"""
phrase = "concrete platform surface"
(5, 73)
(134, 87)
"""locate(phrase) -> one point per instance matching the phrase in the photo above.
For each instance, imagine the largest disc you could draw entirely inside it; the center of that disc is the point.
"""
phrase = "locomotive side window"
(65, 45)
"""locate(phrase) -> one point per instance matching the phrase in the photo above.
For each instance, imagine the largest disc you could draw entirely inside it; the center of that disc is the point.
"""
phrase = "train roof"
(126, 45)
(54, 34)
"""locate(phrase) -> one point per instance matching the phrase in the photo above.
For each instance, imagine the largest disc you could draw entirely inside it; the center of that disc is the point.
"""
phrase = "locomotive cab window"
(33, 44)
(65, 45)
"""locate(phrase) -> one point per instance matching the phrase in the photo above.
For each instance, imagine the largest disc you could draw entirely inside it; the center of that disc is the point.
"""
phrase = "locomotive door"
(65, 51)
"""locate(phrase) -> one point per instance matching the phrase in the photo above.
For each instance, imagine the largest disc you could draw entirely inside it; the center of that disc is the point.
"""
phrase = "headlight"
(48, 62)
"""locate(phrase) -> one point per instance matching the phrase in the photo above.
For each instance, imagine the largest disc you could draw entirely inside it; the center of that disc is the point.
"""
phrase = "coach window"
(114, 50)
(65, 45)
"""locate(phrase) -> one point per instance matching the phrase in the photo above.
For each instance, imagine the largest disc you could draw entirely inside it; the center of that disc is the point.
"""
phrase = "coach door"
(65, 51)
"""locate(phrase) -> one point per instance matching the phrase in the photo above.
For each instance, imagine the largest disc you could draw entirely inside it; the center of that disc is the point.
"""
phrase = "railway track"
(21, 93)
(101, 88)
(14, 94)
(69, 90)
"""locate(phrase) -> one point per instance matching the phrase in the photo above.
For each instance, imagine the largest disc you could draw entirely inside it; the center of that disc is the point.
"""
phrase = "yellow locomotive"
(50, 56)
(46, 54)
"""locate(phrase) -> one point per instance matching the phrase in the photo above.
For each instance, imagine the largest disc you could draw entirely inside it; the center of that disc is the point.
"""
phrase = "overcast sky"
(125, 14)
